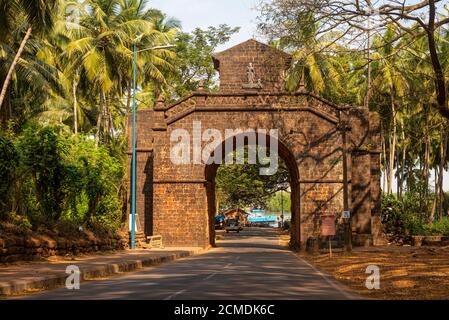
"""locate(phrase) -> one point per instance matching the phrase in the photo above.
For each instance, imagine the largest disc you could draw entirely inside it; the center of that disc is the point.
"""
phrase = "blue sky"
(205, 13)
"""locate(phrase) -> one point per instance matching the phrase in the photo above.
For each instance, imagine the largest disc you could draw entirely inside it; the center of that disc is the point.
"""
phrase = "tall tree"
(102, 44)
(418, 19)
(38, 15)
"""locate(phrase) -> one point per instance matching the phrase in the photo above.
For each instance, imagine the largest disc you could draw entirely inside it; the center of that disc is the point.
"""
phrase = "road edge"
(346, 291)
(18, 287)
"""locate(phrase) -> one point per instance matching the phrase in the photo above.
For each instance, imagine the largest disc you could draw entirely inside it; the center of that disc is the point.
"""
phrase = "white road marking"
(210, 276)
(174, 295)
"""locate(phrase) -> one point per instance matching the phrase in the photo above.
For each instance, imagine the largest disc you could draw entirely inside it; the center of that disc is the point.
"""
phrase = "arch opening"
(286, 159)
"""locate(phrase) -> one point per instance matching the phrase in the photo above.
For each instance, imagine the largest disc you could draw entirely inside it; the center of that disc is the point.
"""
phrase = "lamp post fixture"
(134, 138)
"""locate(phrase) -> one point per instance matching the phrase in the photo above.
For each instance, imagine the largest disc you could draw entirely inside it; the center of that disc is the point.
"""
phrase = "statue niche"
(252, 82)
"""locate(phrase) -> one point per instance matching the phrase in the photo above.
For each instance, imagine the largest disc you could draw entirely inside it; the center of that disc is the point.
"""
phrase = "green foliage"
(194, 58)
(401, 218)
(42, 152)
(95, 178)
(279, 201)
(59, 178)
(8, 167)
(75, 75)
(241, 186)
(20, 221)
(438, 228)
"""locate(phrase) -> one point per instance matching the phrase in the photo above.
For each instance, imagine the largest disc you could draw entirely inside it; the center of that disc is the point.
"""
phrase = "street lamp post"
(134, 139)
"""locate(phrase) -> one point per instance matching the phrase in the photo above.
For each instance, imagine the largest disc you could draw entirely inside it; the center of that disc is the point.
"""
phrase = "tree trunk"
(392, 149)
(128, 106)
(398, 171)
(128, 99)
(404, 155)
(13, 66)
(443, 154)
(111, 127)
(440, 81)
(100, 119)
(384, 156)
(106, 122)
(368, 91)
(435, 201)
(426, 167)
(75, 107)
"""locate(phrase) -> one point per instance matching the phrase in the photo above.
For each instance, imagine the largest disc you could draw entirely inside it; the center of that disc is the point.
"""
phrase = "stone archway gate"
(173, 200)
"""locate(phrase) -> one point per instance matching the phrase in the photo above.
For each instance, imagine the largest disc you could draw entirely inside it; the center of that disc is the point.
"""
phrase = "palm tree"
(312, 66)
(389, 80)
(153, 65)
(38, 16)
(34, 77)
(102, 45)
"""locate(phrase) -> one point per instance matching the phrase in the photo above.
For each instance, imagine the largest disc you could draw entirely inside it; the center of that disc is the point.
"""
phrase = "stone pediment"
(252, 66)
(252, 78)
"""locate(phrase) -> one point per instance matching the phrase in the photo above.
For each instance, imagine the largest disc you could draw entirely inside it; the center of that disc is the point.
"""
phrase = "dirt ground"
(405, 272)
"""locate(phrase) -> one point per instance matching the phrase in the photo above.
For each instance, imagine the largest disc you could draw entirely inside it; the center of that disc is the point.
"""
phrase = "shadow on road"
(248, 265)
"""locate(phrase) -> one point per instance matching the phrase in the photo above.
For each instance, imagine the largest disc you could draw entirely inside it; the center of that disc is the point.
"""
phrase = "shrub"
(401, 218)
(42, 151)
(438, 228)
(8, 165)
(109, 213)
(60, 181)
(98, 176)
(392, 211)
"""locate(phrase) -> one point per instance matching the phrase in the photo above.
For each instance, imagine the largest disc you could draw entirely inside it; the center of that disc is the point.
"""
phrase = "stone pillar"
(376, 192)
(296, 241)
(361, 197)
(181, 214)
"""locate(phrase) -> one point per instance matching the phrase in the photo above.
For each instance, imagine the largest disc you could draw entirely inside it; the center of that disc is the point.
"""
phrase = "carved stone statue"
(251, 74)
(253, 83)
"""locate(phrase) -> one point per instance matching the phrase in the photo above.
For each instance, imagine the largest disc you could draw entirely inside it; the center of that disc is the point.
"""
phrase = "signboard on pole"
(346, 215)
(328, 226)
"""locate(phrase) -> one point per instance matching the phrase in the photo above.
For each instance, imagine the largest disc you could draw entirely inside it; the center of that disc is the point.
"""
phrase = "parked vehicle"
(219, 222)
(233, 225)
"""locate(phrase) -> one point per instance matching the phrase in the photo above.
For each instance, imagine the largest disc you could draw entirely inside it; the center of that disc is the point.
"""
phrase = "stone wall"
(34, 247)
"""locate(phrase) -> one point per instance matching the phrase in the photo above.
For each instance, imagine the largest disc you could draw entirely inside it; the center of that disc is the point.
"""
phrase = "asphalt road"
(248, 265)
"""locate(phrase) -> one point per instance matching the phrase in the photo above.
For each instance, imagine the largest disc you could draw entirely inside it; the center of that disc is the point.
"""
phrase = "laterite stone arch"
(177, 201)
